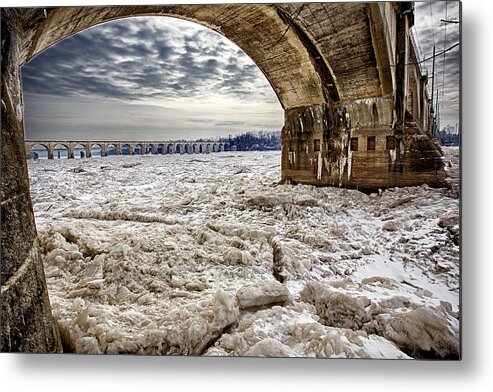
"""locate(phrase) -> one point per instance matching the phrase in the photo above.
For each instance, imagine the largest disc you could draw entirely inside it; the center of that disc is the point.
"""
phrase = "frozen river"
(209, 255)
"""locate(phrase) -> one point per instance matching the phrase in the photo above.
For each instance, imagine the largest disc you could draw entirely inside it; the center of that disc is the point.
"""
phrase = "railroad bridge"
(126, 147)
(357, 113)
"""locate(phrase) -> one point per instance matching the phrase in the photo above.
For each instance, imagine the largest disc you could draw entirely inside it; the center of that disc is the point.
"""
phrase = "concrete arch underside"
(340, 71)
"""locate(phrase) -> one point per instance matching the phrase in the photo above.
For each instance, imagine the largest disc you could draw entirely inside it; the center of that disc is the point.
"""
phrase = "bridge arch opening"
(111, 150)
(60, 151)
(96, 150)
(38, 151)
(150, 148)
(125, 149)
(240, 41)
(80, 151)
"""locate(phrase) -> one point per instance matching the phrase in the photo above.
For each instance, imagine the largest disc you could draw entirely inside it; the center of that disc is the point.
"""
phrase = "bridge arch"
(302, 49)
(138, 149)
(327, 63)
(295, 79)
(61, 151)
(112, 149)
(126, 149)
(38, 151)
(97, 150)
(80, 151)
(150, 148)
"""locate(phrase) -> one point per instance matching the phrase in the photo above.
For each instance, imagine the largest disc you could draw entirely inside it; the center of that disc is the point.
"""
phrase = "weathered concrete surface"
(356, 113)
(27, 322)
(383, 111)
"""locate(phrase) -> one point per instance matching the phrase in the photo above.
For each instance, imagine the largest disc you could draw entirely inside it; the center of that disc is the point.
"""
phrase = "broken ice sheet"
(158, 255)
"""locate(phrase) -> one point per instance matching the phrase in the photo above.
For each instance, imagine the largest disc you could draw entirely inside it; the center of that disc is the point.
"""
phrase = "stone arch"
(138, 149)
(150, 148)
(160, 149)
(97, 150)
(61, 151)
(38, 153)
(80, 151)
(126, 149)
(169, 148)
(112, 149)
(295, 79)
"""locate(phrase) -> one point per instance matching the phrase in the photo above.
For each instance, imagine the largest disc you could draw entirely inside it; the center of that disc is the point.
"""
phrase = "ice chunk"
(422, 333)
(271, 348)
(258, 294)
(337, 309)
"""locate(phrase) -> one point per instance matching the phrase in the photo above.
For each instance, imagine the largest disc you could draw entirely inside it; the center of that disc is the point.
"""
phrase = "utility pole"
(433, 77)
(437, 117)
(432, 90)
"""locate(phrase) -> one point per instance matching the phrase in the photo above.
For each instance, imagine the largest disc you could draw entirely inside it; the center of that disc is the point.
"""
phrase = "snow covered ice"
(209, 255)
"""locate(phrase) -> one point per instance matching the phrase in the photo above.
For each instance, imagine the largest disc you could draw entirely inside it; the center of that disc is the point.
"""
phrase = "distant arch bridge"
(126, 147)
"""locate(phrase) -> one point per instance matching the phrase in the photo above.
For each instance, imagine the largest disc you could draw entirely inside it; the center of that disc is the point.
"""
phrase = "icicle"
(349, 162)
(319, 166)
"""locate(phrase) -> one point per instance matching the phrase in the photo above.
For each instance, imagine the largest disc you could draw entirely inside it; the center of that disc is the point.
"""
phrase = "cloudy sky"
(431, 32)
(160, 77)
(149, 76)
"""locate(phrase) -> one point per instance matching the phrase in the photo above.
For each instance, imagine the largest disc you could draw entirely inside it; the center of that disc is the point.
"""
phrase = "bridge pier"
(357, 145)
(27, 321)
(70, 151)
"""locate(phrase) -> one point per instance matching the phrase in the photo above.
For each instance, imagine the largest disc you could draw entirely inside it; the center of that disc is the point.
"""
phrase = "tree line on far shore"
(252, 141)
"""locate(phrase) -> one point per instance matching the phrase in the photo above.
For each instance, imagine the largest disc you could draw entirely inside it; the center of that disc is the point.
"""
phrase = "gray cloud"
(141, 58)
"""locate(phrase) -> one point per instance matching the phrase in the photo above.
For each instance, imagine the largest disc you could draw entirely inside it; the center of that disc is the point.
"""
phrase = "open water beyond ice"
(210, 255)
